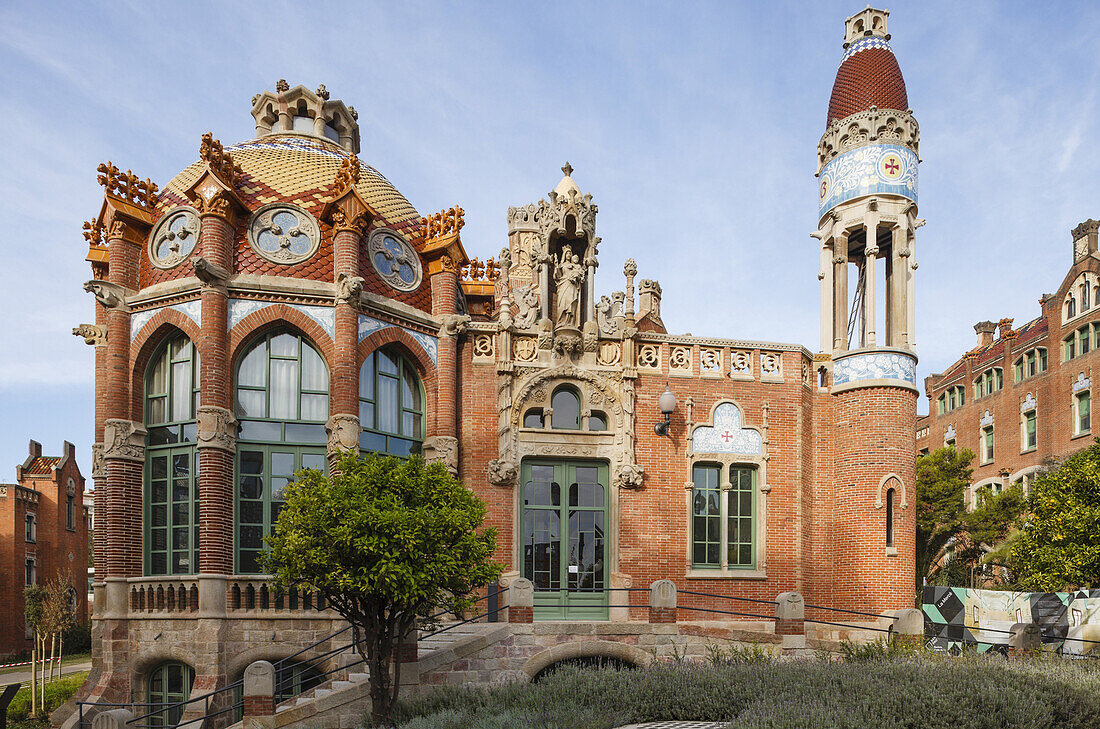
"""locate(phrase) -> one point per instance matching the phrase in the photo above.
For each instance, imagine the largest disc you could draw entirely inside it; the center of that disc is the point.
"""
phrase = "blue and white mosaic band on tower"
(867, 210)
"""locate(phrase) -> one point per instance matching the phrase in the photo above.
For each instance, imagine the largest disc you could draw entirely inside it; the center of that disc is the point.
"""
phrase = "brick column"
(662, 602)
(908, 627)
(259, 695)
(444, 300)
(124, 440)
(790, 620)
(521, 601)
(217, 432)
(343, 425)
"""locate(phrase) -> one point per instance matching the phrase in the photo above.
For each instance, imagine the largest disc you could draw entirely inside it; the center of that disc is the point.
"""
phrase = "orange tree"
(386, 542)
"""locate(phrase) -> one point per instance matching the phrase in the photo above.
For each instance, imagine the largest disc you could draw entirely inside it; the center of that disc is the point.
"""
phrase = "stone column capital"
(442, 449)
(217, 428)
(123, 440)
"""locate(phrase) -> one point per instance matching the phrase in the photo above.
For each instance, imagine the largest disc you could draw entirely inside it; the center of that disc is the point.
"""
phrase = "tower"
(867, 167)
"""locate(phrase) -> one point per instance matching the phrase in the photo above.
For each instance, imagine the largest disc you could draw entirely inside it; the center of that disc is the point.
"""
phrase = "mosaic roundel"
(394, 259)
(175, 237)
(284, 233)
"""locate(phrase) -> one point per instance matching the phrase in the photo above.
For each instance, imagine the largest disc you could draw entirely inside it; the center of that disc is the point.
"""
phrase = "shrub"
(57, 693)
(984, 692)
(78, 638)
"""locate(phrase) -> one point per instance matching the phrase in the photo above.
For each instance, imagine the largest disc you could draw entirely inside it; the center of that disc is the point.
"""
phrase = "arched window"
(1085, 297)
(282, 406)
(566, 407)
(169, 683)
(1071, 308)
(391, 404)
(171, 465)
(890, 517)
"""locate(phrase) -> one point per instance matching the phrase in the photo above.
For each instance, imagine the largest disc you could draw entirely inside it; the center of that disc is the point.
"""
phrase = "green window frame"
(167, 684)
(987, 444)
(1030, 437)
(281, 398)
(723, 518)
(391, 404)
(1083, 416)
(171, 503)
(263, 472)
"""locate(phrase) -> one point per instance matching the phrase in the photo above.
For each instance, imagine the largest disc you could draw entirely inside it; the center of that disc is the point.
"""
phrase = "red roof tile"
(41, 465)
(868, 78)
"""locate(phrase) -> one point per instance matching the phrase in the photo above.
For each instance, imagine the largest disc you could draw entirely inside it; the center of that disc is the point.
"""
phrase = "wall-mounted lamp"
(667, 403)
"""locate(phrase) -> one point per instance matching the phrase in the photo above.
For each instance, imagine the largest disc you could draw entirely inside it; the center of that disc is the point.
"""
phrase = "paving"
(24, 675)
(678, 725)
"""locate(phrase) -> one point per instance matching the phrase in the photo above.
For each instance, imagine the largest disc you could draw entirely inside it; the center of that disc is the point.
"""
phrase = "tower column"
(897, 284)
(870, 257)
(826, 277)
(840, 292)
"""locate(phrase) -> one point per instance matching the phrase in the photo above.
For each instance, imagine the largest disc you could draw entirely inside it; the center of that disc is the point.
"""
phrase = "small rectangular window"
(1030, 439)
(1018, 370)
(30, 528)
(999, 378)
(30, 576)
(1084, 413)
(1043, 358)
(69, 513)
(1070, 346)
(987, 441)
(1084, 338)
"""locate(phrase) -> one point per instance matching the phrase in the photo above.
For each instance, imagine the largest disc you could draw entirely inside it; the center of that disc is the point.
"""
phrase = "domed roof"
(868, 76)
(288, 167)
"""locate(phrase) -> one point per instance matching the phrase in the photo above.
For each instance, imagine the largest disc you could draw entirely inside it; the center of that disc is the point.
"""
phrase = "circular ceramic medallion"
(891, 166)
(394, 259)
(175, 237)
(284, 233)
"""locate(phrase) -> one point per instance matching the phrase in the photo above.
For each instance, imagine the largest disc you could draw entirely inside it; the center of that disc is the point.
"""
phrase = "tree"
(1058, 546)
(34, 598)
(385, 542)
(942, 478)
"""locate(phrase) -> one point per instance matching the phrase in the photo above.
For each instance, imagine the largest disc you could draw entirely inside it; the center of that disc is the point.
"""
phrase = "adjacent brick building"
(43, 534)
(279, 302)
(1023, 396)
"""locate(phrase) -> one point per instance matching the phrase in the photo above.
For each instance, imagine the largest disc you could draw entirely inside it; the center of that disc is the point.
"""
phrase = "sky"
(693, 124)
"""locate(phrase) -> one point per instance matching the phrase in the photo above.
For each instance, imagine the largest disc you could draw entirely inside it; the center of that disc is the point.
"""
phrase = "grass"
(57, 693)
(893, 691)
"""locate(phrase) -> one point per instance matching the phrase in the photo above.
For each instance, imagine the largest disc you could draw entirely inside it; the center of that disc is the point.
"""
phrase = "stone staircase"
(341, 703)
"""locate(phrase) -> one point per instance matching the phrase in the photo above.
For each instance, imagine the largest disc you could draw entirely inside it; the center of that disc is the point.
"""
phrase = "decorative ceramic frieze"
(875, 366)
(949, 433)
(1081, 383)
(986, 419)
(1029, 403)
(888, 169)
(191, 309)
(726, 434)
(369, 325)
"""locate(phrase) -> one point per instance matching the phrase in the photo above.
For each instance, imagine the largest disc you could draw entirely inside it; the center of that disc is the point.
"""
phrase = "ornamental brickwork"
(311, 310)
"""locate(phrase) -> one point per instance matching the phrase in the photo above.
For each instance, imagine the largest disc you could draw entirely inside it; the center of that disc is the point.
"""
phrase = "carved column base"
(442, 449)
(123, 440)
(343, 434)
(217, 428)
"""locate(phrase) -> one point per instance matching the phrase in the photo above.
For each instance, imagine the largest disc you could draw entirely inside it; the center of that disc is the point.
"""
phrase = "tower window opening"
(890, 517)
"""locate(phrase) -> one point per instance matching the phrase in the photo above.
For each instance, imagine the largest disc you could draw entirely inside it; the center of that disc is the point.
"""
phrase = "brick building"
(1023, 396)
(279, 302)
(43, 533)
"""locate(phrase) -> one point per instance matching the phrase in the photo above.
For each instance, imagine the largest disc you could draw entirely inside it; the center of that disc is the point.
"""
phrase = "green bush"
(981, 692)
(78, 639)
(57, 693)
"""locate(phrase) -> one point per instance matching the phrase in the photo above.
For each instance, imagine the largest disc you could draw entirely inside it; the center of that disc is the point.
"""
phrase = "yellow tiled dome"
(295, 168)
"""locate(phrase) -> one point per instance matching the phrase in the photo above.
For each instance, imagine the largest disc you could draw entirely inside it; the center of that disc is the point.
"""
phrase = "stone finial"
(127, 186)
(322, 92)
(1004, 327)
(442, 223)
(864, 24)
(93, 232)
(281, 85)
(220, 161)
(567, 169)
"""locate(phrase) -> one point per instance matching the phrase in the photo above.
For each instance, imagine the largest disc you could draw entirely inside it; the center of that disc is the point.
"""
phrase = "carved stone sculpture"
(527, 298)
(99, 465)
(568, 277)
(123, 440)
(106, 293)
(609, 314)
(442, 449)
(343, 433)
(629, 476)
(209, 273)
(94, 334)
(217, 428)
(502, 473)
(348, 288)
(454, 324)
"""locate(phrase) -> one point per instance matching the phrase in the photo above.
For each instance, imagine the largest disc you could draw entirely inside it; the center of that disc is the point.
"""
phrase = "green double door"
(563, 538)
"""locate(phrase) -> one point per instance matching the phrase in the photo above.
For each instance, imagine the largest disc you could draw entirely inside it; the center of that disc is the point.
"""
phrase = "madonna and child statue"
(568, 278)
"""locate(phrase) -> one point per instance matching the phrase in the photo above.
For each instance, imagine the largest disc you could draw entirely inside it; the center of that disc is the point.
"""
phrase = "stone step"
(358, 677)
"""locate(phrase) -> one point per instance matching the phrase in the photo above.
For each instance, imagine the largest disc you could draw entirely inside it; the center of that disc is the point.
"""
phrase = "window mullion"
(723, 516)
